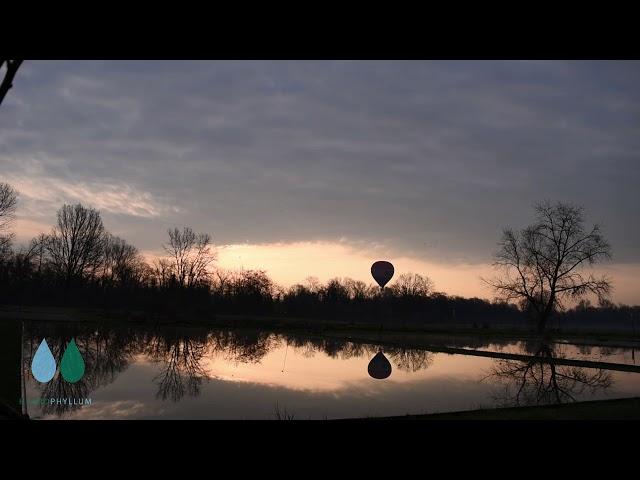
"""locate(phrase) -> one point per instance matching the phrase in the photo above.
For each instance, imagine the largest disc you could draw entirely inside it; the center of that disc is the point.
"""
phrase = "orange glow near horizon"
(291, 263)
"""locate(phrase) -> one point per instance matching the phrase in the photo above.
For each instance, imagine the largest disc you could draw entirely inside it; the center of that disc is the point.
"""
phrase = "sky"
(319, 168)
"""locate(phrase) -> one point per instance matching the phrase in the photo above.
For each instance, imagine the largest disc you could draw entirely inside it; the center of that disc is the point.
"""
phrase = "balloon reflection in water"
(379, 367)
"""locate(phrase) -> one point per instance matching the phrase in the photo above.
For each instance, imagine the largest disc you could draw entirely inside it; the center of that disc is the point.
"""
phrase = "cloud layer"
(431, 159)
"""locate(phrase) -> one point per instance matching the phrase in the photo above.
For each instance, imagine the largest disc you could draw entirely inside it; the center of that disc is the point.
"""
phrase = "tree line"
(80, 263)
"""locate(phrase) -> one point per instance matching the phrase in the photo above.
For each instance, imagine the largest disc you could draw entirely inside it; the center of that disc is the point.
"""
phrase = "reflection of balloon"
(382, 272)
(379, 367)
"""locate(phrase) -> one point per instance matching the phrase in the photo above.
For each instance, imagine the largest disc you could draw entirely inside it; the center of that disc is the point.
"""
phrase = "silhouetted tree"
(8, 203)
(412, 285)
(251, 291)
(162, 272)
(9, 74)
(357, 289)
(37, 251)
(122, 263)
(190, 255)
(76, 244)
(543, 263)
(334, 292)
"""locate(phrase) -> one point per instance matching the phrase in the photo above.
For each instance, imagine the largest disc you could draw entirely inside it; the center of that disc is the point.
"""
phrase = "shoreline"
(318, 326)
(614, 409)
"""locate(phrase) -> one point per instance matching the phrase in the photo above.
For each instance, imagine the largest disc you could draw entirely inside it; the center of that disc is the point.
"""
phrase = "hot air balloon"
(382, 272)
(379, 367)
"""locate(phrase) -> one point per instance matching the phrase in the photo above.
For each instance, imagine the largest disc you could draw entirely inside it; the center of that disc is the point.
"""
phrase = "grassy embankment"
(619, 409)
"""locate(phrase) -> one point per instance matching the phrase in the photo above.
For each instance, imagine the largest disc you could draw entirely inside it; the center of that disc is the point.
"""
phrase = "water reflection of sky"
(310, 387)
(309, 382)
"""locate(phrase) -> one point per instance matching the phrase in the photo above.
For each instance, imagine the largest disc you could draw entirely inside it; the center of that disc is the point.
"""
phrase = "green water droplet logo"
(72, 364)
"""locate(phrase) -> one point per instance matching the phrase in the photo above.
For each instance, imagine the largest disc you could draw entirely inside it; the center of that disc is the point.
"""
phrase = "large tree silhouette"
(544, 263)
(76, 244)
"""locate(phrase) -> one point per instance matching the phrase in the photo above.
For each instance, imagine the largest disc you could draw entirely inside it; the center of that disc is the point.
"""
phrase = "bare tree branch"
(7, 82)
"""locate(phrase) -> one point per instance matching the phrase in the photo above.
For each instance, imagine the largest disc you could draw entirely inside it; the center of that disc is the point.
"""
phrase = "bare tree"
(222, 281)
(313, 284)
(544, 263)
(357, 288)
(10, 73)
(76, 244)
(5, 245)
(37, 250)
(122, 261)
(8, 204)
(162, 271)
(412, 285)
(190, 254)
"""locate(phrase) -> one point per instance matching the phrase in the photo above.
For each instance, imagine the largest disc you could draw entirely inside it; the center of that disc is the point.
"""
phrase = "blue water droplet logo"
(43, 365)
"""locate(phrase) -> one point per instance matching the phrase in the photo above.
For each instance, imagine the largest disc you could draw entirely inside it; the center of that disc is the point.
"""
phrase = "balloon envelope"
(382, 272)
(379, 367)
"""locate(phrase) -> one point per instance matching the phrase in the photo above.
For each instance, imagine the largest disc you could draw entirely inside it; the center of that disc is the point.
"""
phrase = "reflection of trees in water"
(347, 350)
(334, 348)
(58, 388)
(584, 349)
(608, 351)
(307, 347)
(106, 353)
(180, 355)
(242, 347)
(410, 360)
(540, 381)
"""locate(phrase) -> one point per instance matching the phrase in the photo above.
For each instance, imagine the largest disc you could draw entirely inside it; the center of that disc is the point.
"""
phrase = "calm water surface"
(203, 373)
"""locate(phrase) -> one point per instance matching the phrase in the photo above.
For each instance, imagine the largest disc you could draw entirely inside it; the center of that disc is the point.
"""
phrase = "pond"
(171, 372)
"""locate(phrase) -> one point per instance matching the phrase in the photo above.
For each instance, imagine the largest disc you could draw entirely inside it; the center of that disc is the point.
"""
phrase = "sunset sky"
(317, 168)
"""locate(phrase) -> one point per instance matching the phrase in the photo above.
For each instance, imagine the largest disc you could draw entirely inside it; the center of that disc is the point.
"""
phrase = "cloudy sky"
(319, 168)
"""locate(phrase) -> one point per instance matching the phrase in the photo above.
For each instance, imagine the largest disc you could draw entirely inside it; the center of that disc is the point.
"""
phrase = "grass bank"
(619, 409)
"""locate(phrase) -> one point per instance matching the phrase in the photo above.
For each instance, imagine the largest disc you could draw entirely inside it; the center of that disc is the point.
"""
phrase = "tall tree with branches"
(76, 244)
(122, 262)
(190, 254)
(545, 264)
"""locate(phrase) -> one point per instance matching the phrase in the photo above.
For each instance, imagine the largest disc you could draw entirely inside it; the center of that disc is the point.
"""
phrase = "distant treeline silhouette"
(79, 263)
